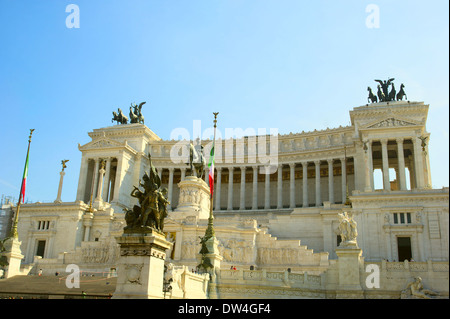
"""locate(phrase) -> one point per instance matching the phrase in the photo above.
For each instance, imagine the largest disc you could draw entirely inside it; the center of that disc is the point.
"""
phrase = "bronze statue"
(152, 208)
(136, 113)
(401, 93)
(197, 161)
(385, 88)
(119, 117)
(372, 97)
(63, 163)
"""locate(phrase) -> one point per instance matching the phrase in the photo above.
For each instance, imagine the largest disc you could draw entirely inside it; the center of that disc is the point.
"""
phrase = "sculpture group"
(383, 93)
(135, 115)
(152, 208)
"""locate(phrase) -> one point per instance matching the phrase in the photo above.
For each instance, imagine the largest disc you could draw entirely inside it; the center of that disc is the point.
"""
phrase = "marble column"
(107, 178)
(418, 163)
(305, 184)
(100, 182)
(58, 197)
(230, 188)
(280, 187)
(318, 193)
(81, 191)
(384, 155)
(218, 188)
(344, 179)
(292, 185)
(183, 173)
(330, 181)
(242, 197)
(267, 189)
(255, 188)
(95, 176)
(401, 164)
(118, 177)
(367, 165)
(170, 188)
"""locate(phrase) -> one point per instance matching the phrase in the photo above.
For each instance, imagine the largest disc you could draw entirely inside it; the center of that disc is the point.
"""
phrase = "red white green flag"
(24, 180)
(211, 170)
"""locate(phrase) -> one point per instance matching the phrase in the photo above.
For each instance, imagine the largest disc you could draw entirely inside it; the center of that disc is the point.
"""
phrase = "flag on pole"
(24, 180)
(211, 170)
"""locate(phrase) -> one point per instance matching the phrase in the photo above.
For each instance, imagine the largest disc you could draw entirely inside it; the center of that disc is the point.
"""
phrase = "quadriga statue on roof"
(152, 208)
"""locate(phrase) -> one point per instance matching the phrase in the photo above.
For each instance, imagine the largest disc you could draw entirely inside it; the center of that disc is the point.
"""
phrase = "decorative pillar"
(118, 177)
(107, 178)
(330, 181)
(230, 188)
(183, 173)
(242, 198)
(305, 184)
(267, 189)
(58, 197)
(280, 187)
(81, 191)
(318, 194)
(401, 164)
(344, 179)
(96, 168)
(384, 156)
(218, 188)
(367, 154)
(255, 188)
(418, 163)
(100, 182)
(292, 184)
(170, 188)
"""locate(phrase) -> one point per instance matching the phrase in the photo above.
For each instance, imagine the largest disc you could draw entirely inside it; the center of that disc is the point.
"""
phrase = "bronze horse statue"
(401, 93)
(372, 97)
(197, 161)
(120, 118)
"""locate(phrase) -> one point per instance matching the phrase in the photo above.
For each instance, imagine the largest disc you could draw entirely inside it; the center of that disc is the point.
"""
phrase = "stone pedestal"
(14, 257)
(141, 266)
(349, 260)
(194, 199)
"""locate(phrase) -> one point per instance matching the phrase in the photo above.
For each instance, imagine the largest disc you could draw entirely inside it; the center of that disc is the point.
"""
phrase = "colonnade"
(260, 177)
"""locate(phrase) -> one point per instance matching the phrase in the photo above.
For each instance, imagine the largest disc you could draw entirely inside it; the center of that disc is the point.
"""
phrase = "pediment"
(100, 143)
(391, 122)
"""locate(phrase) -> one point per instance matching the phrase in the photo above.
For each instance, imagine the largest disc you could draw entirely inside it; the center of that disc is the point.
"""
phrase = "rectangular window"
(395, 218)
(402, 218)
(408, 218)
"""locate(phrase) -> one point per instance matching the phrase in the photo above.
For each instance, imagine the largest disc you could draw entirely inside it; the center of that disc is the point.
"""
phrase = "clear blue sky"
(289, 64)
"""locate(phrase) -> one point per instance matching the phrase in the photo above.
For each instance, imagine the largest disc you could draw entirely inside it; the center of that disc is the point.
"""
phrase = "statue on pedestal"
(152, 208)
(197, 161)
(347, 229)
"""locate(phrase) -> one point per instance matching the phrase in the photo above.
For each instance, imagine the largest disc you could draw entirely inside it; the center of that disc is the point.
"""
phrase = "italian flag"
(24, 180)
(211, 170)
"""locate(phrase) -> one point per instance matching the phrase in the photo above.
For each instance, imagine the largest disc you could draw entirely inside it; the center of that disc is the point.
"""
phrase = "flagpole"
(14, 233)
(210, 230)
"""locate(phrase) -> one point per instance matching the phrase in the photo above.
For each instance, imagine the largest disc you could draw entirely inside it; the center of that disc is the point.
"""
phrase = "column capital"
(399, 140)
(171, 169)
(243, 168)
(304, 163)
(230, 169)
(218, 168)
(330, 161)
(292, 165)
(383, 141)
(317, 162)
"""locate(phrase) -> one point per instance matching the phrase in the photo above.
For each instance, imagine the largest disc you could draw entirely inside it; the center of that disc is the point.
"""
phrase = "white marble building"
(269, 222)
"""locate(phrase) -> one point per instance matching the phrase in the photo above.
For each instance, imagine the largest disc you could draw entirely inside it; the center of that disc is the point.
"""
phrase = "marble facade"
(268, 223)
